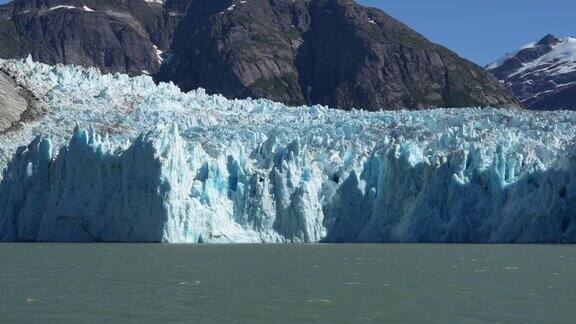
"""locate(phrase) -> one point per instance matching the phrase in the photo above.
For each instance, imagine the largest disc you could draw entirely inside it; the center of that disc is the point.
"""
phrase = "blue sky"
(482, 30)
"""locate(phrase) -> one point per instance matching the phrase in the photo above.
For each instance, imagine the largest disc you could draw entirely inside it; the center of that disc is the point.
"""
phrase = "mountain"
(330, 52)
(121, 159)
(112, 35)
(541, 74)
(72, 32)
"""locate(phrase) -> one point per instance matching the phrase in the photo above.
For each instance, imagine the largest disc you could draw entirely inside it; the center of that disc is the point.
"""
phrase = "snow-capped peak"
(508, 55)
(538, 72)
(564, 52)
(561, 52)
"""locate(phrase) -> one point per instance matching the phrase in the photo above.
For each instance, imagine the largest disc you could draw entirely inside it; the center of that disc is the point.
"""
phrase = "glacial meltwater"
(104, 283)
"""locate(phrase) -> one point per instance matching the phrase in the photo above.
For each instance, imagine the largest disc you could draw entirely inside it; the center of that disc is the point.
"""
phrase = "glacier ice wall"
(158, 165)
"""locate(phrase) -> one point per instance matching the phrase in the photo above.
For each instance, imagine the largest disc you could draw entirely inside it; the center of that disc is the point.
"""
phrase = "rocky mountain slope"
(12, 103)
(17, 104)
(541, 74)
(113, 35)
(331, 52)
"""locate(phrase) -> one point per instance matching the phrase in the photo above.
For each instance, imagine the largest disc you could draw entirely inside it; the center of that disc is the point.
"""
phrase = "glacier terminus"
(112, 158)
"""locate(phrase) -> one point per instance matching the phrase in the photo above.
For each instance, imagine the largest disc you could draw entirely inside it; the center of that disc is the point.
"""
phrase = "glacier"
(120, 159)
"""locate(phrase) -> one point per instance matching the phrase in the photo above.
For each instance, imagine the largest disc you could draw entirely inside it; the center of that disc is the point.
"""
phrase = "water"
(72, 283)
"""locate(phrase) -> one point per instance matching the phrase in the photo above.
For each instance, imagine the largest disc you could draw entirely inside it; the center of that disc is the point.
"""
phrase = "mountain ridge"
(541, 74)
(330, 52)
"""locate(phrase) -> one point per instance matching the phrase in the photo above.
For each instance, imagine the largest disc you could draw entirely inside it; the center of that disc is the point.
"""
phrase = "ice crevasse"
(120, 159)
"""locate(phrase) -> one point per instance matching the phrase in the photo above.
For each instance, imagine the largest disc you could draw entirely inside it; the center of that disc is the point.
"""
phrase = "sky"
(482, 30)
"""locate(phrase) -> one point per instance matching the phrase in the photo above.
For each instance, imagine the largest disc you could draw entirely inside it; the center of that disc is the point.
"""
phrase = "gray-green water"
(101, 283)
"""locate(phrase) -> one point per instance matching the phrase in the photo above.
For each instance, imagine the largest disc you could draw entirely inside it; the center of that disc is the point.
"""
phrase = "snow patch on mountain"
(149, 163)
(501, 60)
(84, 8)
(163, 57)
(563, 55)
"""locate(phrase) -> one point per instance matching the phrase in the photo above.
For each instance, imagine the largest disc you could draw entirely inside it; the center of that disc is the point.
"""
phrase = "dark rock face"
(543, 75)
(115, 36)
(331, 52)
